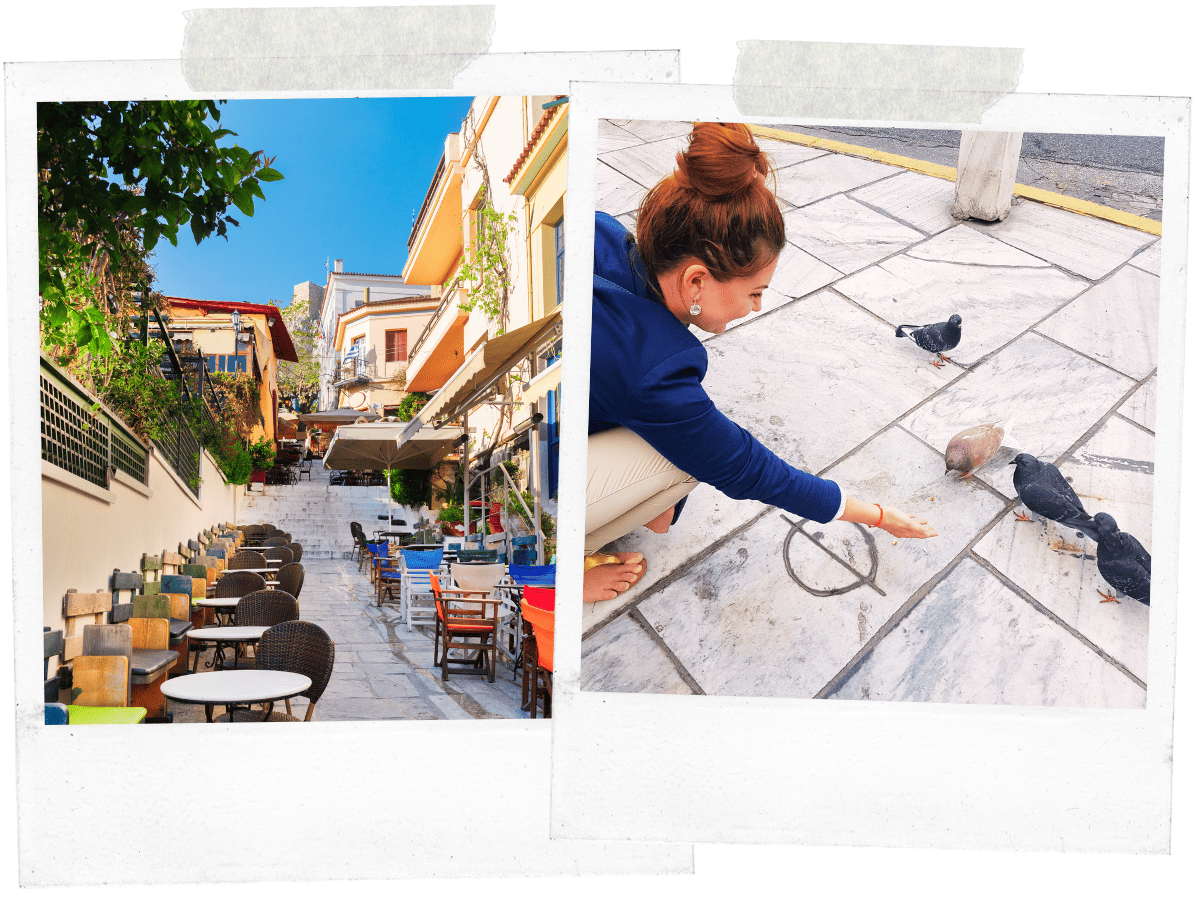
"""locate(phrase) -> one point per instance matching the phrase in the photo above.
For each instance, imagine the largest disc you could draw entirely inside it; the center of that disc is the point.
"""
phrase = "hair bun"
(722, 160)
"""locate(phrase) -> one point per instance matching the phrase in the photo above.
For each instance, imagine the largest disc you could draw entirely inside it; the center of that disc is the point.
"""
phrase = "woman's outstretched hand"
(895, 522)
(900, 524)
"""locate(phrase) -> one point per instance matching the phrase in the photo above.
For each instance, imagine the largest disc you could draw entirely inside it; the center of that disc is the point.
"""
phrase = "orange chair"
(537, 610)
(461, 627)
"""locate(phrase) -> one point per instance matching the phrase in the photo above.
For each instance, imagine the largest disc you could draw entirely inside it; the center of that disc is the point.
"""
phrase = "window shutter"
(397, 345)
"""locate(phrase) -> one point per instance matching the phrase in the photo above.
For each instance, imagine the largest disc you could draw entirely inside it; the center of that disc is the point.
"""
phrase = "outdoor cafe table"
(240, 687)
(224, 636)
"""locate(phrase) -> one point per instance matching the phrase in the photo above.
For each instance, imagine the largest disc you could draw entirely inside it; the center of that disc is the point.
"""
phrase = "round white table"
(235, 687)
(224, 636)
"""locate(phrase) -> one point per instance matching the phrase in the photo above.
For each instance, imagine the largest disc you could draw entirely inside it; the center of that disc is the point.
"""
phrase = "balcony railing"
(352, 371)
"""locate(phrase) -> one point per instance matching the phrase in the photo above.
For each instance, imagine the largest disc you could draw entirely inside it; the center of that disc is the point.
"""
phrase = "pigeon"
(936, 338)
(1044, 491)
(971, 448)
(1123, 561)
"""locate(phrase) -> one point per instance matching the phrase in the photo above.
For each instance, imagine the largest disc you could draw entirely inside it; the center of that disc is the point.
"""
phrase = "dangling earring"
(695, 307)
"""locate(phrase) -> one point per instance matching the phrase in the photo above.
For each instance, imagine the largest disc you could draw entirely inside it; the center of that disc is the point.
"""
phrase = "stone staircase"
(317, 514)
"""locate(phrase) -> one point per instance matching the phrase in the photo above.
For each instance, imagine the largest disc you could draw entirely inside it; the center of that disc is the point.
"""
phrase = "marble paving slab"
(743, 627)
(813, 379)
(798, 273)
(1050, 395)
(845, 234)
(1056, 566)
(973, 640)
(1080, 244)
(615, 193)
(653, 130)
(1150, 259)
(1113, 472)
(1115, 322)
(1140, 407)
(921, 201)
(783, 154)
(707, 517)
(830, 174)
(997, 290)
(647, 164)
(623, 658)
(613, 137)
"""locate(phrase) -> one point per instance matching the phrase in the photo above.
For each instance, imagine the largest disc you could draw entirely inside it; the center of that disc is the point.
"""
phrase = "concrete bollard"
(987, 171)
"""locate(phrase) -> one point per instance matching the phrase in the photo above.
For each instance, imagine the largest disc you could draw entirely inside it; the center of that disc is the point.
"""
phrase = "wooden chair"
(152, 656)
(464, 626)
(537, 681)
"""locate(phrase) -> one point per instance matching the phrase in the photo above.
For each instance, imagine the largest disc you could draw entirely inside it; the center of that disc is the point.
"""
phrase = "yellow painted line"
(948, 173)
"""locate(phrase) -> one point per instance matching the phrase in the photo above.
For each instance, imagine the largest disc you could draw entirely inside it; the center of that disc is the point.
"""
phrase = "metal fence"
(178, 444)
(80, 441)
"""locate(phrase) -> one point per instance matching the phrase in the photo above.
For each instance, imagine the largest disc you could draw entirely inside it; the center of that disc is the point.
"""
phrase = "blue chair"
(414, 583)
(524, 550)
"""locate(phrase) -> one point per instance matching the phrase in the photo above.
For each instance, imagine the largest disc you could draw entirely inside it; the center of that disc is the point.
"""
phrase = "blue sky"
(354, 170)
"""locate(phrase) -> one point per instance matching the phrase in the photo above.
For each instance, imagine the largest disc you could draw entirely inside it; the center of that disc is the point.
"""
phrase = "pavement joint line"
(838, 681)
(1082, 638)
(1091, 432)
(949, 173)
(1137, 425)
(674, 574)
(640, 618)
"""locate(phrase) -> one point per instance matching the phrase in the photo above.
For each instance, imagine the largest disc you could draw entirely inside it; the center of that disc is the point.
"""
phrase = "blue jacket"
(646, 373)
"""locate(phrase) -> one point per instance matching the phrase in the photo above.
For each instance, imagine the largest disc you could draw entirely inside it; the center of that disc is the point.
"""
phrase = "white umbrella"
(381, 445)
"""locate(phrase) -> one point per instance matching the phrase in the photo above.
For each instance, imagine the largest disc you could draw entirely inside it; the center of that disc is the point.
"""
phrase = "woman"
(708, 239)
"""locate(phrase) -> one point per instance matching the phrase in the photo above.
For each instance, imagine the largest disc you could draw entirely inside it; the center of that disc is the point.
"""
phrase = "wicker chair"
(297, 551)
(239, 584)
(282, 555)
(267, 607)
(291, 579)
(360, 540)
(246, 559)
(301, 647)
(275, 542)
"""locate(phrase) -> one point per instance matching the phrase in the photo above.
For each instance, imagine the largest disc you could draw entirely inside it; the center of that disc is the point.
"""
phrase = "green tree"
(114, 177)
(300, 380)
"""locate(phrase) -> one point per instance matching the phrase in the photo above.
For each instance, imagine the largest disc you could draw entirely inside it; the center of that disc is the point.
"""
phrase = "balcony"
(438, 350)
(352, 372)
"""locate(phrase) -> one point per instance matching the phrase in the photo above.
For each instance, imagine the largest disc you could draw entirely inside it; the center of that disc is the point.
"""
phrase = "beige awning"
(342, 416)
(485, 366)
(381, 445)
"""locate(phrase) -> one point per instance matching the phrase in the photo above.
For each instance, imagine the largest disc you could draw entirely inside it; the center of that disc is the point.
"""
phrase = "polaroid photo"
(871, 474)
(405, 767)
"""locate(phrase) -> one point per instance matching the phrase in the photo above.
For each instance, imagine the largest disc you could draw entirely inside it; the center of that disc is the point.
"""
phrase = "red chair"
(537, 663)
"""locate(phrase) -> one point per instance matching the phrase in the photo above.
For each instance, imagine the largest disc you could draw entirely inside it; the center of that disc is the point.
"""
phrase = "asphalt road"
(1123, 172)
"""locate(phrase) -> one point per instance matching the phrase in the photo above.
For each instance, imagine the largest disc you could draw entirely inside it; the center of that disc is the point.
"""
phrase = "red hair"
(716, 207)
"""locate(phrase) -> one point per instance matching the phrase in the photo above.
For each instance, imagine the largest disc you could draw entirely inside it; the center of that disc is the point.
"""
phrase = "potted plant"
(262, 457)
(451, 517)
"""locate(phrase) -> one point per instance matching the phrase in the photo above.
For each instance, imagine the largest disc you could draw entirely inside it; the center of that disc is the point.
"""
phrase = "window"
(397, 345)
(225, 363)
(559, 251)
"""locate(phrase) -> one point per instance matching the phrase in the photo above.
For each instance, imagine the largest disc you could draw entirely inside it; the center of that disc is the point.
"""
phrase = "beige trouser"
(629, 484)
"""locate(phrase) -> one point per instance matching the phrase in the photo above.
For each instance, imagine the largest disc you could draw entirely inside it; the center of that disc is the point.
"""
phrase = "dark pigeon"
(936, 338)
(1044, 491)
(1122, 560)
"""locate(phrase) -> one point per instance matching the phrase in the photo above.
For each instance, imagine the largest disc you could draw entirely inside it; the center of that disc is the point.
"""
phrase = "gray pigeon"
(1044, 491)
(936, 338)
(1122, 560)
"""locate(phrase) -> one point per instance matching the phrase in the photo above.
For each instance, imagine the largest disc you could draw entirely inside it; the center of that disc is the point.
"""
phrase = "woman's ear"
(695, 278)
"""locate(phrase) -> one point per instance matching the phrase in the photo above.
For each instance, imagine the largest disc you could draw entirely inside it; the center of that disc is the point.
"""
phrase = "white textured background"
(1131, 52)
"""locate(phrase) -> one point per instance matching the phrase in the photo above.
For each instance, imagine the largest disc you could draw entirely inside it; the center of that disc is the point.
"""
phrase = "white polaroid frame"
(212, 802)
(736, 769)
